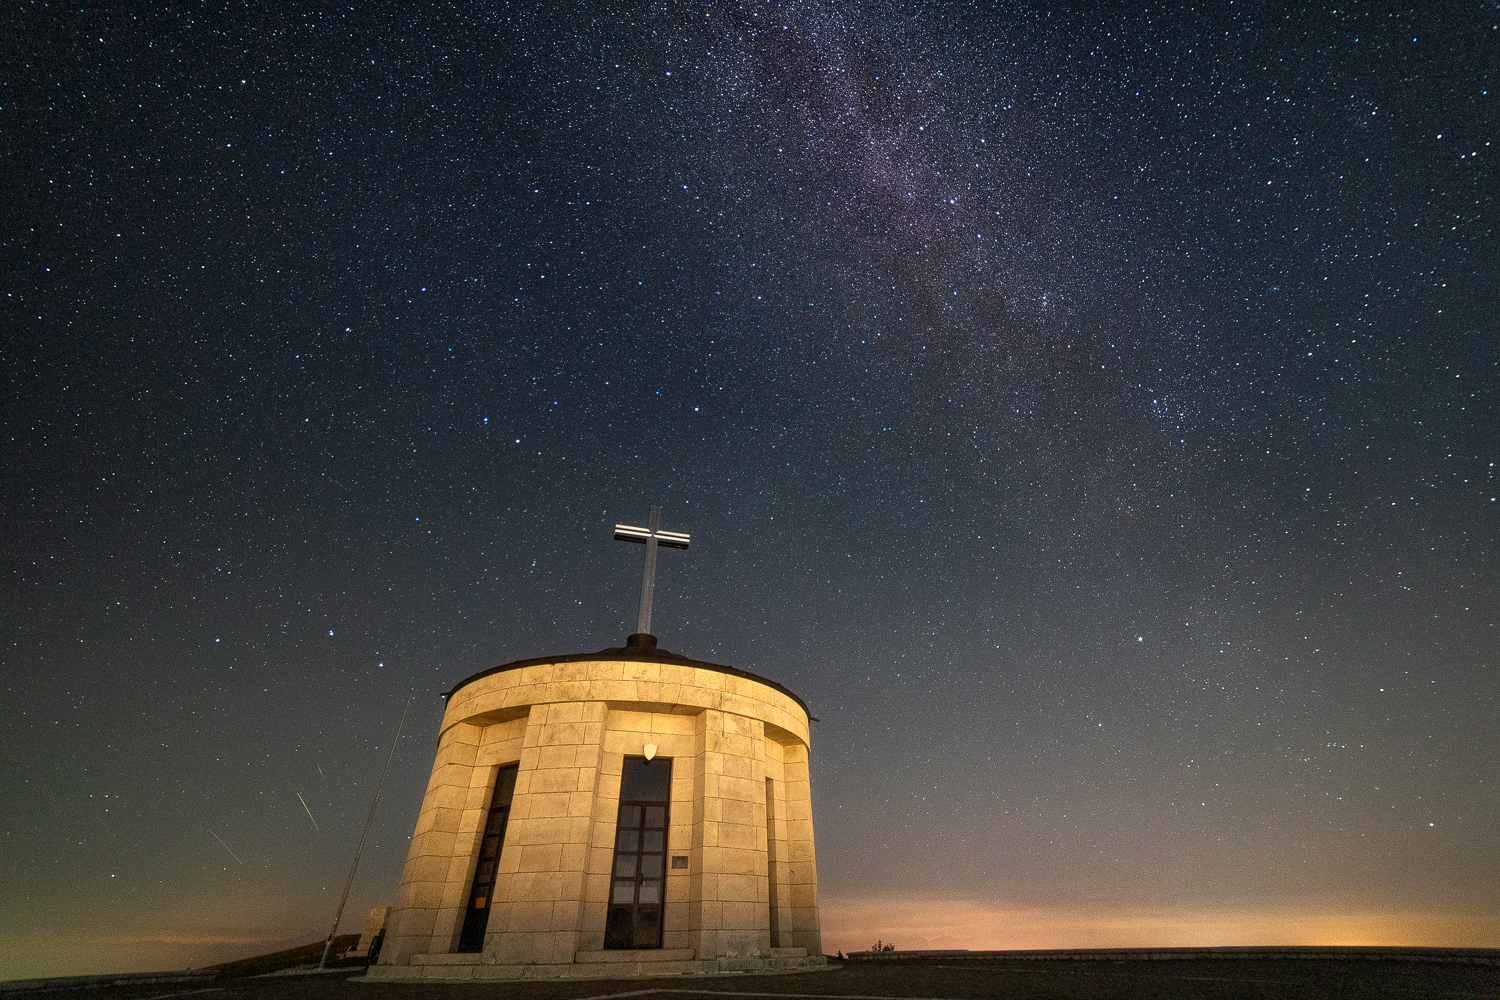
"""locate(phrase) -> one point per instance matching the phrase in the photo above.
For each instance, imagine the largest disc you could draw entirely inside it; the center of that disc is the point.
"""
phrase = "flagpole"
(349, 882)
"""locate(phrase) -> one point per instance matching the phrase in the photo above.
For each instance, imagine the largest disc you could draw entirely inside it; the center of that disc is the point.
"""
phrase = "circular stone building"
(626, 812)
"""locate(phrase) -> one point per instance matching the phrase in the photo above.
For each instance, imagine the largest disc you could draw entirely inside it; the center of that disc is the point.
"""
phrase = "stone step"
(663, 962)
(637, 955)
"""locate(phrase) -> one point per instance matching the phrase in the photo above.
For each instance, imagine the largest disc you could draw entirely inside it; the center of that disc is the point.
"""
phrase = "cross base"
(641, 640)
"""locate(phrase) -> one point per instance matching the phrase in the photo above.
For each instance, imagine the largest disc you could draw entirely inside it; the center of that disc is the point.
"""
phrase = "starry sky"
(1091, 413)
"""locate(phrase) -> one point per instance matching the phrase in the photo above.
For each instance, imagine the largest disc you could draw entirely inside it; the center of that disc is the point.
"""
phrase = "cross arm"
(670, 539)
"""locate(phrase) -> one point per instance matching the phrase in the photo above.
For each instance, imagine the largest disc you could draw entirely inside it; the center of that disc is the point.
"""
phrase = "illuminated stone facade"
(726, 881)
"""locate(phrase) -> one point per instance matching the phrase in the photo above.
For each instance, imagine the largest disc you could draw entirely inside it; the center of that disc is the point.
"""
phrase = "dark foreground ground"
(930, 977)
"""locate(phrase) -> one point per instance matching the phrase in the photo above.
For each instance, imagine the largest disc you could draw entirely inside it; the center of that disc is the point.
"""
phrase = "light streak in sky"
(309, 812)
(226, 847)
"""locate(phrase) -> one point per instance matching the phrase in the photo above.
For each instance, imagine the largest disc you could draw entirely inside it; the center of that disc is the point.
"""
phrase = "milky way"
(1090, 414)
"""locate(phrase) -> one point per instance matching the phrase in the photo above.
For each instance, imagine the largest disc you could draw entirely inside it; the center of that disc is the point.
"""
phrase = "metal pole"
(349, 882)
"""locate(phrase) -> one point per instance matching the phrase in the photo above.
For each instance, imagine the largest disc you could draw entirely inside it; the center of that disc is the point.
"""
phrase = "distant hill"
(290, 958)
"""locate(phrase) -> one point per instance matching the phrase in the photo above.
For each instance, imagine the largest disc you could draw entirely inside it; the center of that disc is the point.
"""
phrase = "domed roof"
(641, 649)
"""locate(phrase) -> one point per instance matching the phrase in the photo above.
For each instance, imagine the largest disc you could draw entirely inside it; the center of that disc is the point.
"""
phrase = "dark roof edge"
(639, 655)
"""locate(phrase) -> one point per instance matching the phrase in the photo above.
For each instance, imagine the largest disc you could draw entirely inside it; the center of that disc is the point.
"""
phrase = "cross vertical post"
(648, 573)
(652, 535)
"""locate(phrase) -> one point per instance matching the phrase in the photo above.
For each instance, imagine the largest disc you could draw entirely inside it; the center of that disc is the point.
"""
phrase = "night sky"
(1092, 414)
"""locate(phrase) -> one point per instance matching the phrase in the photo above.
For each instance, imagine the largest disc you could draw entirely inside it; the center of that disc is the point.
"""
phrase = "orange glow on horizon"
(78, 951)
(856, 923)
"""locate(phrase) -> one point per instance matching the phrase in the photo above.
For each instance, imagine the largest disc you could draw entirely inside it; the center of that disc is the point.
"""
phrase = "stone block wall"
(570, 725)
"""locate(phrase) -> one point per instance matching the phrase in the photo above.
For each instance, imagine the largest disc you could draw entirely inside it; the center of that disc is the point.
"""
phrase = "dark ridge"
(258, 965)
(291, 958)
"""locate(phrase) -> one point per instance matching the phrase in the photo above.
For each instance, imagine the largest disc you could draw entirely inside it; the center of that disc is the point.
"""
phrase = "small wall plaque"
(679, 861)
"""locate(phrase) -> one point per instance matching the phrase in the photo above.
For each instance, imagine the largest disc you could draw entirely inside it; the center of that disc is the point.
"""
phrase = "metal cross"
(651, 536)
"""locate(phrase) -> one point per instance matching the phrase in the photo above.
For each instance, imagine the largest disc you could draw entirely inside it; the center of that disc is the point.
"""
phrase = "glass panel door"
(637, 889)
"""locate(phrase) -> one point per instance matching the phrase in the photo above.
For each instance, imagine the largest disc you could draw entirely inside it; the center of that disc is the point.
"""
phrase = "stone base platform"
(594, 965)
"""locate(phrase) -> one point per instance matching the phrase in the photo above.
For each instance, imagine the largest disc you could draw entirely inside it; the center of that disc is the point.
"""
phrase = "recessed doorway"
(638, 881)
(482, 891)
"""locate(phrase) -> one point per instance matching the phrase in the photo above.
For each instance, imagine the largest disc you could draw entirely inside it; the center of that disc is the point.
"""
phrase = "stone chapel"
(628, 812)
